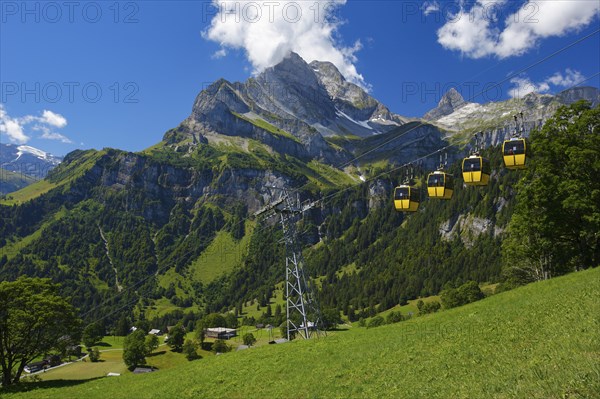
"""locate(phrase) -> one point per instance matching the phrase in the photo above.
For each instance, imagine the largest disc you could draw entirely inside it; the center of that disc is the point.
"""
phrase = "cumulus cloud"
(569, 79)
(11, 128)
(53, 119)
(14, 128)
(522, 85)
(482, 31)
(269, 31)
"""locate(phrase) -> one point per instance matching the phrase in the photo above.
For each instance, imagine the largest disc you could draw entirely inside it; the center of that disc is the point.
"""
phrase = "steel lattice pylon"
(303, 315)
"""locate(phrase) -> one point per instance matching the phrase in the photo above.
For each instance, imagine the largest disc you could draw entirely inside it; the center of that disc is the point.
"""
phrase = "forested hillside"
(133, 236)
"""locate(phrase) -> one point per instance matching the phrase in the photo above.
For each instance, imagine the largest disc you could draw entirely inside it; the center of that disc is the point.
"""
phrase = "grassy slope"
(30, 192)
(66, 174)
(11, 181)
(539, 341)
(222, 256)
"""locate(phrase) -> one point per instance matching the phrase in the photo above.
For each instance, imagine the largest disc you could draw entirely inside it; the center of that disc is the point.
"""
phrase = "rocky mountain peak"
(575, 94)
(450, 102)
(291, 70)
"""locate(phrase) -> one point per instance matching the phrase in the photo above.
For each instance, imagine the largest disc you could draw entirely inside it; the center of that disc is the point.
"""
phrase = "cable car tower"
(303, 314)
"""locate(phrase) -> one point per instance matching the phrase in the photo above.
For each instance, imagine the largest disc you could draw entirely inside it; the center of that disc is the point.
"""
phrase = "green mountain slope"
(538, 341)
(164, 224)
(11, 181)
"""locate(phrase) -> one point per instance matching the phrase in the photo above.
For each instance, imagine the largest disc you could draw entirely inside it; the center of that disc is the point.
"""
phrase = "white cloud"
(219, 54)
(53, 119)
(522, 85)
(56, 136)
(430, 7)
(14, 128)
(477, 32)
(569, 79)
(269, 31)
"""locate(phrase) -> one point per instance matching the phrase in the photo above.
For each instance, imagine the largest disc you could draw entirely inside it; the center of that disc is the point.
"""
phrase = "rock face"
(296, 109)
(291, 107)
(575, 94)
(468, 228)
(153, 188)
(450, 102)
(496, 119)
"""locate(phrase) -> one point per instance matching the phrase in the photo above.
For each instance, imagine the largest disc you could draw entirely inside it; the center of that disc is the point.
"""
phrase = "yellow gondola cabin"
(440, 185)
(476, 171)
(514, 153)
(406, 199)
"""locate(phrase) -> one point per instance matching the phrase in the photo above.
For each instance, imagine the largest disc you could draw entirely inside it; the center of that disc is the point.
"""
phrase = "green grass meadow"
(538, 341)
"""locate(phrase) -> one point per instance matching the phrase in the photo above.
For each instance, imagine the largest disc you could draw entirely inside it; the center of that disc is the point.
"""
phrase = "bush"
(466, 293)
(394, 317)
(190, 349)
(429, 307)
(249, 339)
(220, 346)
(376, 322)
(94, 355)
(470, 292)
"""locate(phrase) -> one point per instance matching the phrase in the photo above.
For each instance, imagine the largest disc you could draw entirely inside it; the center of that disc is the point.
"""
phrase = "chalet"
(36, 366)
(220, 332)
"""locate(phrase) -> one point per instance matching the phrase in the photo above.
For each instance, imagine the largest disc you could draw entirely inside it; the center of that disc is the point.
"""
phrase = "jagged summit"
(300, 103)
(450, 102)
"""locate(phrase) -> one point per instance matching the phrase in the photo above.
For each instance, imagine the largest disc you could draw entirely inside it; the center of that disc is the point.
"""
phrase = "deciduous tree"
(134, 349)
(177, 337)
(554, 228)
(151, 343)
(93, 333)
(33, 319)
(249, 339)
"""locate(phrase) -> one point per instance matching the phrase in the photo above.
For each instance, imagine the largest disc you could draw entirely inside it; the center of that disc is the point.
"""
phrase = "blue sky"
(120, 74)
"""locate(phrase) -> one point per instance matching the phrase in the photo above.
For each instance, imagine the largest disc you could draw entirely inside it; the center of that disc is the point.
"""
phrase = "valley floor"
(538, 341)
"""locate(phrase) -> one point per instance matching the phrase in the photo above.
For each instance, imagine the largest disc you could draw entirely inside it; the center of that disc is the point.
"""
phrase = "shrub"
(376, 322)
(220, 346)
(394, 317)
(249, 339)
(190, 349)
(94, 355)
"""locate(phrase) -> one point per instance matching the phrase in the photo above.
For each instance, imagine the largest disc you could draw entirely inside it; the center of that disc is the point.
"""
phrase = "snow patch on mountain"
(364, 124)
